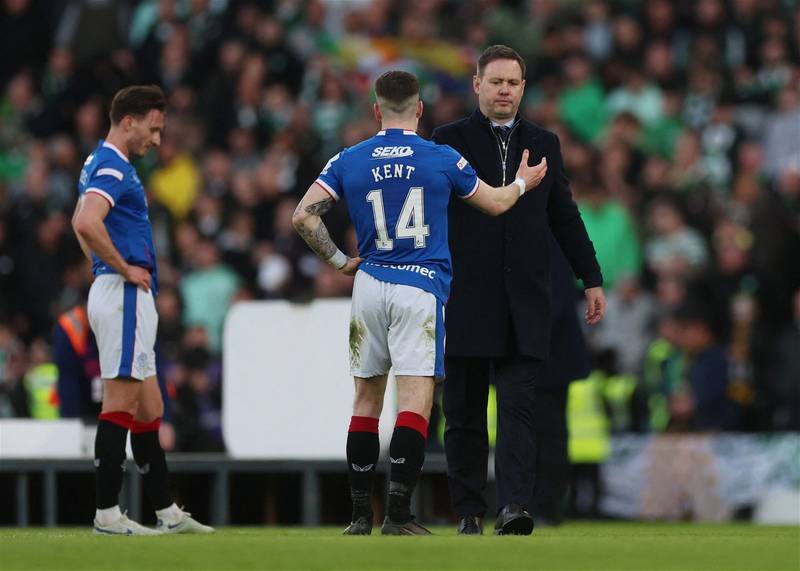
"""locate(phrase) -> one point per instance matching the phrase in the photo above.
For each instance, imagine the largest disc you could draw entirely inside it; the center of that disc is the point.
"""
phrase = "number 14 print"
(410, 224)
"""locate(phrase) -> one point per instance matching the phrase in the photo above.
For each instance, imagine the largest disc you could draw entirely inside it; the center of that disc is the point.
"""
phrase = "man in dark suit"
(499, 313)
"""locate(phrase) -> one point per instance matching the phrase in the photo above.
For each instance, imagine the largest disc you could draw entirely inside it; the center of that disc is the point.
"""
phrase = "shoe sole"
(349, 531)
(398, 530)
(395, 531)
(187, 532)
(97, 531)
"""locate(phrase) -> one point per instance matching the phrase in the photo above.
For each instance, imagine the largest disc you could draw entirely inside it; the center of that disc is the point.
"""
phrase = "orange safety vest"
(75, 323)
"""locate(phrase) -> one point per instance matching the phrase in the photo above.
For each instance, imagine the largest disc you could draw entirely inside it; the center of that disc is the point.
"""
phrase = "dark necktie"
(502, 132)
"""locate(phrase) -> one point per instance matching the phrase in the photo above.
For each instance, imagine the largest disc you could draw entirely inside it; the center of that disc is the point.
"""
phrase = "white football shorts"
(395, 326)
(124, 320)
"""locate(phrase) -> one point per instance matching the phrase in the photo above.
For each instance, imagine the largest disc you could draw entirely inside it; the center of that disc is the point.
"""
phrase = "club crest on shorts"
(141, 362)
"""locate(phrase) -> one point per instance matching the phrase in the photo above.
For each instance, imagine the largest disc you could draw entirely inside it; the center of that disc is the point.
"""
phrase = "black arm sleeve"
(567, 225)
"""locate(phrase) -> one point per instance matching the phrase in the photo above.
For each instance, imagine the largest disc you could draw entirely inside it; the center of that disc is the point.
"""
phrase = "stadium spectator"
(195, 380)
(674, 248)
(703, 403)
(612, 230)
(784, 388)
(13, 363)
(629, 326)
(25, 31)
(207, 291)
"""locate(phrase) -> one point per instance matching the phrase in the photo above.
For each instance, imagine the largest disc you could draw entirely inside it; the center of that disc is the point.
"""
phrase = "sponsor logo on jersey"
(461, 163)
(397, 460)
(415, 268)
(391, 152)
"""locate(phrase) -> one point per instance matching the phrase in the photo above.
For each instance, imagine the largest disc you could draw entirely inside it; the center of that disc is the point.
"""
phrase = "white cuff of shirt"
(520, 182)
(338, 260)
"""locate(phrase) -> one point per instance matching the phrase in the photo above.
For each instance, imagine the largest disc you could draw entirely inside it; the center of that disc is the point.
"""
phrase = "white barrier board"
(28, 438)
(287, 389)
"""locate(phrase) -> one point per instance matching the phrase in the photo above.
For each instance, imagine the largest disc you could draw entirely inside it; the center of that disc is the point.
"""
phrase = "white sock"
(108, 515)
(171, 514)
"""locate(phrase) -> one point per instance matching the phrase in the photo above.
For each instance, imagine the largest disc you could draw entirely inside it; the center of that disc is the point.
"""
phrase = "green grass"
(594, 546)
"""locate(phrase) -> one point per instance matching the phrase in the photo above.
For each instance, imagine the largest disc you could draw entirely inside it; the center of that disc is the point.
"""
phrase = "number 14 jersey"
(397, 186)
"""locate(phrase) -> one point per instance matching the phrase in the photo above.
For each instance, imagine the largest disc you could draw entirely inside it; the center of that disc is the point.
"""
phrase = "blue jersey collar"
(396, 132)
(104, 143)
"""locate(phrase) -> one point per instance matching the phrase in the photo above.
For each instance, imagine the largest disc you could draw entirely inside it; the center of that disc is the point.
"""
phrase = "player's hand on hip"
(595, 305)
(532, 175)
(351, 266)
(138, 276)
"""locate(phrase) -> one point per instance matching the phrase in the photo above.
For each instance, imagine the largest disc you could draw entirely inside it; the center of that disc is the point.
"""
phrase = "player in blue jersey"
(113, 229)
(397, 187)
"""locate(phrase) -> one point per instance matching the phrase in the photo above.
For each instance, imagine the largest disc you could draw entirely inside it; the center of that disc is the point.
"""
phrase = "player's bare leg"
(407, 453)
(363, 447)
(152, 463)
(120, 404)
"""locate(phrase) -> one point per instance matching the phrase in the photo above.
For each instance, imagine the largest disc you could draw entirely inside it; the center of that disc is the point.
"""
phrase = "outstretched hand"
(531, 175)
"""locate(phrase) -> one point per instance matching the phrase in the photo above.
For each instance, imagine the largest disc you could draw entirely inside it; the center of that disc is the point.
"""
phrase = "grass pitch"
(594, 546)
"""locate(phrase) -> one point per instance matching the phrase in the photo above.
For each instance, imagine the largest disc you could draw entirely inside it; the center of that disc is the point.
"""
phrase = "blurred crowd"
(679, 124)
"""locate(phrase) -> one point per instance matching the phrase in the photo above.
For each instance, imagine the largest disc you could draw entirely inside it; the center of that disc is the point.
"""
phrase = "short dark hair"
(136, 100)
(395, 88)
(496, 52)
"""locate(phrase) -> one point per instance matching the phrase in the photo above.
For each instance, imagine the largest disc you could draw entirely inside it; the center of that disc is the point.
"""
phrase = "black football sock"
(363, 448)
(149, 457)
(406, 453)
(109, 457)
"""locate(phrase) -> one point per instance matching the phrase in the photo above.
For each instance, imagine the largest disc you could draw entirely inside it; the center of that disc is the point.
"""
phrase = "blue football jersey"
(397, 186)
(108, 172)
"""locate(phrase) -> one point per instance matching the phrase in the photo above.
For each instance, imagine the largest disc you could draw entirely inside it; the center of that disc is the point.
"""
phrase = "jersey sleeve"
(459, 172)
(108, 181)
(331, 177)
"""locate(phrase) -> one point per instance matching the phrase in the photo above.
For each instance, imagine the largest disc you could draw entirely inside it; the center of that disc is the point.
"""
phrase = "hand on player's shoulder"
(532, 175)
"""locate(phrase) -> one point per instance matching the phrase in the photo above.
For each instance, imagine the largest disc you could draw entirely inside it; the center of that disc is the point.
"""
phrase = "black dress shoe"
(470, 525)
(513, 520)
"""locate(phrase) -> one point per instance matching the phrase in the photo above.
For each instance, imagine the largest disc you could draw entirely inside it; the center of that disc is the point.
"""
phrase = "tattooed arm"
(309, 225)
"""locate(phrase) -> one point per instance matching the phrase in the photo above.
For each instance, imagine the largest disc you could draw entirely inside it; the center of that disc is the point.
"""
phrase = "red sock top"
(413, 421)
(141, 427)
(363, 424)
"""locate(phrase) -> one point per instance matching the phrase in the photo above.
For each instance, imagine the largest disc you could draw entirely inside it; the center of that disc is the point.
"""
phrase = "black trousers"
(552, 461)
(466, 390)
